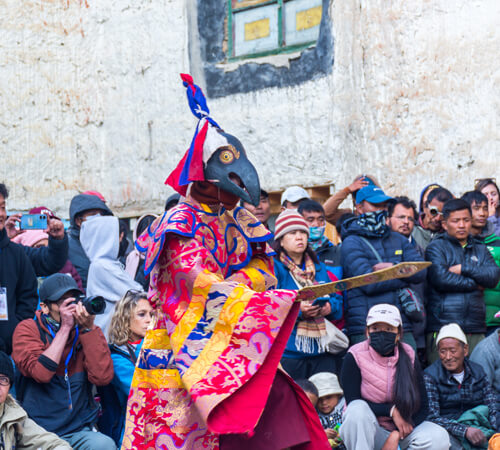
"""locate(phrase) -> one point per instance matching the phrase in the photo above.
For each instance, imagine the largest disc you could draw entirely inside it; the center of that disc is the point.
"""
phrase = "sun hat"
(327, 383)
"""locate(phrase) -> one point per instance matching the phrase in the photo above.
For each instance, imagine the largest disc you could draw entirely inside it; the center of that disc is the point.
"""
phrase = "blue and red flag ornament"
(205, 141)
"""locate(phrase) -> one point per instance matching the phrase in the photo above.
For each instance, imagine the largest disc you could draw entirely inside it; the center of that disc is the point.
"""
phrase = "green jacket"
(20, 432)
(492, 296)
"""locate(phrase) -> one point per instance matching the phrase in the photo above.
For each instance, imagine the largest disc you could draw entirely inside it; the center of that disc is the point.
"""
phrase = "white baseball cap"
(452, 330)
(384, 313)
(294, 194)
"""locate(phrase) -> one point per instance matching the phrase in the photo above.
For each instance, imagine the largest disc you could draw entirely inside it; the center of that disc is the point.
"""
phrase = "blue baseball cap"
(372, 194)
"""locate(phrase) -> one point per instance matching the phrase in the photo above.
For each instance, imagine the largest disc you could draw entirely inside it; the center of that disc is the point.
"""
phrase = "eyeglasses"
(4, 381)
(434, 211)
(403, 218)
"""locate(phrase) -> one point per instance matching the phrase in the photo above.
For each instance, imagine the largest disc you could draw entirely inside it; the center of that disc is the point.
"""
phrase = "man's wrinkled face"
(402, 220)
(433, 215)
(452, 353)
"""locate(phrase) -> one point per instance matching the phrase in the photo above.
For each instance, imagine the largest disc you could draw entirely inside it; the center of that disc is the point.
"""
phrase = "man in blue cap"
(368, 244)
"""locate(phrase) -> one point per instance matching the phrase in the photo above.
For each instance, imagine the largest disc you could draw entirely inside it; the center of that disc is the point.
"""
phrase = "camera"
(94, 304)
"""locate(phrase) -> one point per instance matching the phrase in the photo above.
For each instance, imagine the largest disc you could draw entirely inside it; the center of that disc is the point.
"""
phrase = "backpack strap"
(372, 248)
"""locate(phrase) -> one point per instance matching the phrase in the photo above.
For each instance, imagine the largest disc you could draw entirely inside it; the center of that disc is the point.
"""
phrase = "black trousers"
(303, 368)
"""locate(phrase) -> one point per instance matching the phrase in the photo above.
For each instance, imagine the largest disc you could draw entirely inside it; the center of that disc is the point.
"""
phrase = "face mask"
(93, 216)
(316, 233)
(383, 342)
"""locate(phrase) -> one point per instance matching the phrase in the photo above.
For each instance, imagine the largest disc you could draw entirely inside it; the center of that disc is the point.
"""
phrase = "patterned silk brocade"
(217, 323)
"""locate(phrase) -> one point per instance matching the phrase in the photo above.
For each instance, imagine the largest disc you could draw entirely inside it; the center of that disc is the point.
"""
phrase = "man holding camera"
(61, 354)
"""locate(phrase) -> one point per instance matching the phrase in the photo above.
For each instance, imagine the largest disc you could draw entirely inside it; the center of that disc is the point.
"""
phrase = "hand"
(492, 208)
(10, 226)
(475, 437)
(66, 311)
(357, 185)
(382, 265)
(331, 433)
(308, 310)
(325, 309)
(392, 441)
(83, 318)
(55, 228)
(402, 425)
(457, 269)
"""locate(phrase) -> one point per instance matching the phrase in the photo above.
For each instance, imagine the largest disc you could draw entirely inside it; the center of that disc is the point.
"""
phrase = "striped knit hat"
(289, 220)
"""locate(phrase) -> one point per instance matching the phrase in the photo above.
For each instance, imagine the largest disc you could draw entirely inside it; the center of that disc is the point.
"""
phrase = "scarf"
(315, 245)
(210, 194)
(375, 222)
(308, 330)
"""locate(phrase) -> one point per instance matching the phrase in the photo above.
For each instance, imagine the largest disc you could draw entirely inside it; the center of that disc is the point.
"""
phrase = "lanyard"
(66, 362)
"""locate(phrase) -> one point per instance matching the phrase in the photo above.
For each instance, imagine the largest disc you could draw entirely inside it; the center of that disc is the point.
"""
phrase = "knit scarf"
(375, 222)
(308, 330)
(315, 245)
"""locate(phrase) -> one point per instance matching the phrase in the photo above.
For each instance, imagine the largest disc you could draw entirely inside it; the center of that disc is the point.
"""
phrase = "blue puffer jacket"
(285, 281)
(358, 259)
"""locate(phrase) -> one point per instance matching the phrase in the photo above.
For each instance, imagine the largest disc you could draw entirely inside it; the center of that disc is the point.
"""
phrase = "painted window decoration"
(265, 27)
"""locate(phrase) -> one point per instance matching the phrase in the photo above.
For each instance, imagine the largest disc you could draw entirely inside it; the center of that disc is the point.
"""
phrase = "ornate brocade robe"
(208, 365)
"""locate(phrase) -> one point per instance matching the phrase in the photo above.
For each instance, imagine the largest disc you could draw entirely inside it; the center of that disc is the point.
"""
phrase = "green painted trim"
(280, 23)
(230, 43)
(276, 51)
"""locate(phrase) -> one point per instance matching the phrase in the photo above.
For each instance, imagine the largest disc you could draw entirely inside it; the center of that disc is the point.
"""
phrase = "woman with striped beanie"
(296, 266)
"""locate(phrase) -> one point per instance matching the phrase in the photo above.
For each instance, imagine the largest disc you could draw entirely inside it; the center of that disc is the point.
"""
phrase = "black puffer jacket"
(359, 259)
(457, 298)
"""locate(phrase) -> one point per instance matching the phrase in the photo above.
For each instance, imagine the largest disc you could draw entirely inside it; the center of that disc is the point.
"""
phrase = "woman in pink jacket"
(385, 391)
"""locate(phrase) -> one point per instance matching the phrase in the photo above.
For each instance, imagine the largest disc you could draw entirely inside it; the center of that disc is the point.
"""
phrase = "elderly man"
(455, 385)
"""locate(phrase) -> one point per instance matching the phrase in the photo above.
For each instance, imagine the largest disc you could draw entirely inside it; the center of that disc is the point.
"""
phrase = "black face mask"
(383, 342)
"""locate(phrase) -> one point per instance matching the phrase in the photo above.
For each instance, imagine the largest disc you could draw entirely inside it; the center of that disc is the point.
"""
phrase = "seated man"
(61, 354)
(461, 268)
(16, 429)
(456, 385)
(487, 355)
(326, 252)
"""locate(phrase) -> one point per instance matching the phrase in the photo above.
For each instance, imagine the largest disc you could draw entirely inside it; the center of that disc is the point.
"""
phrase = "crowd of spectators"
(386, 365)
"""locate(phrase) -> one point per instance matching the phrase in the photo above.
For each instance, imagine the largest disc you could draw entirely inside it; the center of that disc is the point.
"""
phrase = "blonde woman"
(128, 326)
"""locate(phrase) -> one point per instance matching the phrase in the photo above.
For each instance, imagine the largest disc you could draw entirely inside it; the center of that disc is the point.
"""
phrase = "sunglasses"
(434, 211)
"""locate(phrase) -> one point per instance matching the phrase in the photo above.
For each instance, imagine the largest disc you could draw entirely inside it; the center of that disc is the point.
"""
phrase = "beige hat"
(452, 330)
(384, 313)
(327, 383)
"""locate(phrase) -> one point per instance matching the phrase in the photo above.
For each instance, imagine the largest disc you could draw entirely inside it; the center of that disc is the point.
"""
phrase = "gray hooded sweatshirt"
(100, 240)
